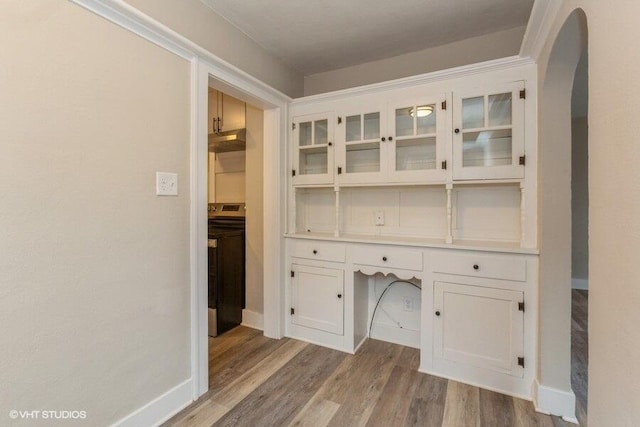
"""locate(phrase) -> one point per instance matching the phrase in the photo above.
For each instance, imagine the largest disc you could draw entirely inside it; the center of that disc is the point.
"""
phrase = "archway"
(554, 393)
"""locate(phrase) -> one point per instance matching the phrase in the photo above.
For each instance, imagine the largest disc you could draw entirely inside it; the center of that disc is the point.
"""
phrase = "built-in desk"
(473, 319)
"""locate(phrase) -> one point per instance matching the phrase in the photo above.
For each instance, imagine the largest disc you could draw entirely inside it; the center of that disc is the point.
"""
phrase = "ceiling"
(322, 35)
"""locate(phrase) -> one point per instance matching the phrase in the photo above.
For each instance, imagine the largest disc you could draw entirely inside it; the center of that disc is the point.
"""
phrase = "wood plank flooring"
(257, 381)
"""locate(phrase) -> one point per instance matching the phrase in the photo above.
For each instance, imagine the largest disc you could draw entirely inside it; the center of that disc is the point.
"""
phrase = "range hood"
(231, 140)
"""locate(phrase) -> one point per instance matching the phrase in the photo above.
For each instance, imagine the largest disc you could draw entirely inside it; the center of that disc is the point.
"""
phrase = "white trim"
(548, 400)
(205, 64)
(273, 134)
(252, 319)
(582, 284)
(540, 23)
(126, 16)
(435, 76)
(161, 408)
(197, 272)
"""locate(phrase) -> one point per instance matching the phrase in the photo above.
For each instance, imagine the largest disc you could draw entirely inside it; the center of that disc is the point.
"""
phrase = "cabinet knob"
(315, 251)
(457, 130)
(339, 296)
(330, 143)
(384, 258)
(390, 138)
(437, 313)
(383, 139)
(476, 267)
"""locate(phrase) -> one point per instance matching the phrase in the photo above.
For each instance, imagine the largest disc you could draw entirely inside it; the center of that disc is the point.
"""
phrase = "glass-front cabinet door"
(360, 157)
(313, 149)
(488, 133)
(416, 142)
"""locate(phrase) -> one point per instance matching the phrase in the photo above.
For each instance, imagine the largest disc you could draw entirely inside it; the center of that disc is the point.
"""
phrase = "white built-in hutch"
(416, 200)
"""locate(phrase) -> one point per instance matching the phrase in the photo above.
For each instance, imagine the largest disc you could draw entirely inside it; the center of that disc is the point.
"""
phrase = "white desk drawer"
(491, 266)
(388, 257)
(322, 251)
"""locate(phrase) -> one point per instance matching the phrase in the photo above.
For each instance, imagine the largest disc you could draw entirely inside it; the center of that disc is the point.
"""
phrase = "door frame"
(204, 66)
(275, 107)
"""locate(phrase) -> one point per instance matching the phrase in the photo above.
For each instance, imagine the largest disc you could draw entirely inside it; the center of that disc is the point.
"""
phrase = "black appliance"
(227, 263)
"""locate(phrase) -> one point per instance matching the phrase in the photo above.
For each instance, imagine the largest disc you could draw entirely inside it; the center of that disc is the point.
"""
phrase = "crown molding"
(541, 21)
(126, 16)
(435, 76)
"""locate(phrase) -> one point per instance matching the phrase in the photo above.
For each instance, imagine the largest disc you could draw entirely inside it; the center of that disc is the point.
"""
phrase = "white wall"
(94, 272)
(477, 49)
(614, 208)
(199, 23)
(254, 200)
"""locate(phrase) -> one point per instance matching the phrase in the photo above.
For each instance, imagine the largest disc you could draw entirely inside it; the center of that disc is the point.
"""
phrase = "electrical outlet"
(166, 184)
(407, 304)
(379, 217)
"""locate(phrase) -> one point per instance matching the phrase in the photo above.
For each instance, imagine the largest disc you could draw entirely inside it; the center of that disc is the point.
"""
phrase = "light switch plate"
(166, 184)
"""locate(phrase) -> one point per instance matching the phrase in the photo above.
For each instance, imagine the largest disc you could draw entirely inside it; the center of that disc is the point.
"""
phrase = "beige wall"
(614, 206)
(254, 200)
(199, 23)
(579, 199)
(469, 51)
(94, 272)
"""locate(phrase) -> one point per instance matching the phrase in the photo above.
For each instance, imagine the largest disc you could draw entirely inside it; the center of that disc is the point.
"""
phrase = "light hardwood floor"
(257, 381)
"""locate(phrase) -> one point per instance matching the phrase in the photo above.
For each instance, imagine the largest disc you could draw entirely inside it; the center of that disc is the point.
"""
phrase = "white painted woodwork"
(323, 251)
(317, 296)
(410, 161)
(388, 257)
(361, 155)
(438, 223)
(487, 212)
(478, 326)
(314, 210)
(313, 151)
(499, 162)
(493, 266)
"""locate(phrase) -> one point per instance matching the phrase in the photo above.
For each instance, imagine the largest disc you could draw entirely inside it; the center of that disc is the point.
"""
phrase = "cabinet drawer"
(322, 251)
(389, 257)
(493, 266)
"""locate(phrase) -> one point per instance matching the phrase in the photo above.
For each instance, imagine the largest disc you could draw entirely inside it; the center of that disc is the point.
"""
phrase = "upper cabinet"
(488, 133)
(391, 141)
(361, 155)
(417, 149)
(313, 149)
(413, 136)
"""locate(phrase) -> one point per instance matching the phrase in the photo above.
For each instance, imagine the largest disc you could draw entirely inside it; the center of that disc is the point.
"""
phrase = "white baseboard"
(161, 408)
(253, 319)
(552, 401)
(580, 284)
(393, 334)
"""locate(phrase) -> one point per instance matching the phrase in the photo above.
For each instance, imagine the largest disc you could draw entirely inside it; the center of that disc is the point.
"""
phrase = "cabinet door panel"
(317, 298)
(313, 155)
(361, 154)
(478, 326)
(416, 145)
(488, 136)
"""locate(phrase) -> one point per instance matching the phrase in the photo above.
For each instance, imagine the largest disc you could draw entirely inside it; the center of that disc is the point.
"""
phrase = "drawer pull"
(476, 267)
(437, 313)
(315, 251)
(384, 258)
(339, 296)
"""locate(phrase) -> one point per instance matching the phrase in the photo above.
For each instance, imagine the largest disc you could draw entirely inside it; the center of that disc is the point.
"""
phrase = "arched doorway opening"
(554, 389)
